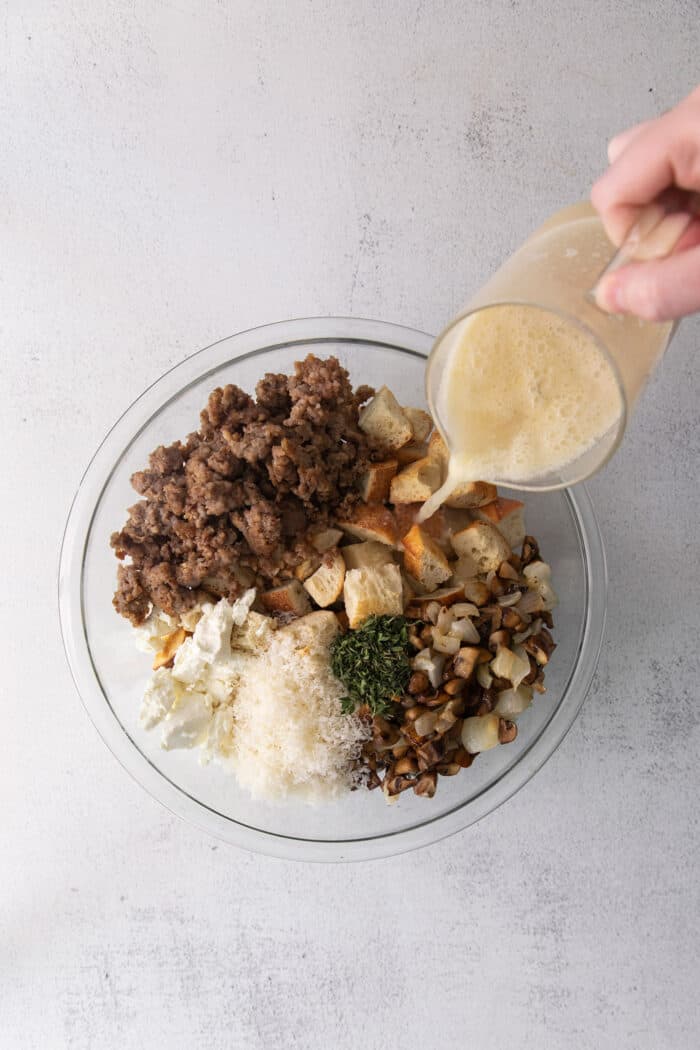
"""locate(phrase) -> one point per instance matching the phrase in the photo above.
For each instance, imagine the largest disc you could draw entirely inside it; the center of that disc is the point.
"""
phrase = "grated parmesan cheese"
(289, 736)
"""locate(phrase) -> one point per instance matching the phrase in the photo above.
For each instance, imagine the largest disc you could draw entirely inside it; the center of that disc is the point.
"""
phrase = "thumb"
(659, 290)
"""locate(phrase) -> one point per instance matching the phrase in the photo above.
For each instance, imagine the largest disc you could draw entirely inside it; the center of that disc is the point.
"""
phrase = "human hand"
(645, 161)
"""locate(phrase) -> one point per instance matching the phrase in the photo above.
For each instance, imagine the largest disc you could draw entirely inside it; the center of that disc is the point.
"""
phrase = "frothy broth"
(524, 393)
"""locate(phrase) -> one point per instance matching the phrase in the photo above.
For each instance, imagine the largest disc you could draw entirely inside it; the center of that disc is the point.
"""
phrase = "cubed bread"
(371, 521)
(482, 542)
(317, 629)
(436, 526)
(508, 517)
(325, 539)
(424, 559)
(326, 585)
(374, 483)
(411, 452)
(437, 449)
(385, 422)
(421, 421)
(376, 591)
(416, 482)
(367, 555)
(465, 568)
(472, 494)
(289, 597)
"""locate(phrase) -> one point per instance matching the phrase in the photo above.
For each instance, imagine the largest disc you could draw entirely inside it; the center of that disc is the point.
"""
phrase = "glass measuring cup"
(549, 277)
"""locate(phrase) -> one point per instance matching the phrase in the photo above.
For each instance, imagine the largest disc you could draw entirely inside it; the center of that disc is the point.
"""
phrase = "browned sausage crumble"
(231, 506)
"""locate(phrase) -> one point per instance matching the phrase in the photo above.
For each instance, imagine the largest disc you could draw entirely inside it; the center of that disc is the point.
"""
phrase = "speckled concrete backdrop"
(174, 172)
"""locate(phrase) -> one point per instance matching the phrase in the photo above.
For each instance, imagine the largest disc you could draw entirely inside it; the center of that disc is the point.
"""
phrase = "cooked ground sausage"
(230, 507)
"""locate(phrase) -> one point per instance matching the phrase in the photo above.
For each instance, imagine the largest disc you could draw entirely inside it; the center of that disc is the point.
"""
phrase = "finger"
(661, 290)
(665, 152)
(622, 141)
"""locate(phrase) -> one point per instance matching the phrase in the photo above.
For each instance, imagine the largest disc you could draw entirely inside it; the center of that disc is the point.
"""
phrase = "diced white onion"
(509, 599)
(445, 643)
(432, 663)
(510, 664)
(480, 733)
(512, 702)
(484, 676)
(425, 724)
(465, 631)
(462, 609)
(444, 620)
(539, 578)
(432, 611)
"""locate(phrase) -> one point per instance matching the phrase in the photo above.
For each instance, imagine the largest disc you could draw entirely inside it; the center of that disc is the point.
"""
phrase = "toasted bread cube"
(482, 542)
(316, 629)
(421, 421)
(289, 597)
(326, 585)
(424, 559)
(374, 591)
(436, 526)
(472, 494)
(507, 516)
(465, 568)
(367, 555)
(325, 539)
(371, 521)
(308, 567)
(411, 452)
(385, 422)
(437, 449)
(416, 483)
(374, 483)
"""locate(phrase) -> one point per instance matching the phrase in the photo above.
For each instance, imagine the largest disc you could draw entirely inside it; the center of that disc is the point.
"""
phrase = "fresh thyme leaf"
(373, 663)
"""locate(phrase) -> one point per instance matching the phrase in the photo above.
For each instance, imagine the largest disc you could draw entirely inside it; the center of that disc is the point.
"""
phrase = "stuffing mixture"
(307, 632)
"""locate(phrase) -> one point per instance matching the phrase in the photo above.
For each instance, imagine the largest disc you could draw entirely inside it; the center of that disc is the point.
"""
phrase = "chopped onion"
(533, 628)
(465, 631)
(432, 663)
(510, 664)
(445, 643)
(425, 724)
(462, 609)
(509, 599)
(432, 611)
(444, 620)
(480, 733)
(484, 676)
(512, 702)
(539, 578)
(531, 602)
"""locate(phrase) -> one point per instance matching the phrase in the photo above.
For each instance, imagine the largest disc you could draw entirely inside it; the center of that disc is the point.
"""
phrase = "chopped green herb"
(373, 663)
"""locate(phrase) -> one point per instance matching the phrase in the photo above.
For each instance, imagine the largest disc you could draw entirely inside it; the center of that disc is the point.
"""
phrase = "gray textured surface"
(175, 172)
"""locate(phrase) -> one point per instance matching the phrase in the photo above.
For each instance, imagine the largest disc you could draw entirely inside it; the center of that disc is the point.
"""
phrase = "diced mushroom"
(467, 660)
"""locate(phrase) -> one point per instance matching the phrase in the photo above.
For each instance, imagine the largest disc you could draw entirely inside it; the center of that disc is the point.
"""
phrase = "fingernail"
(609, 294)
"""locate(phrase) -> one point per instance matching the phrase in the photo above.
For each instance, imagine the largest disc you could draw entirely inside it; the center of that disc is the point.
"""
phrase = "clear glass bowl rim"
(304, 331)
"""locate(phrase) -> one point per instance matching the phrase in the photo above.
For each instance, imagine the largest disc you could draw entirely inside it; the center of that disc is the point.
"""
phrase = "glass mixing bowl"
(110, 673)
